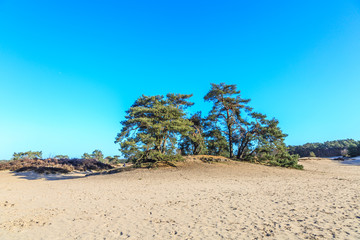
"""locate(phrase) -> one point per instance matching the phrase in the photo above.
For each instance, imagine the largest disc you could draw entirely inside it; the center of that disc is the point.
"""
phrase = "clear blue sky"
(70, 69)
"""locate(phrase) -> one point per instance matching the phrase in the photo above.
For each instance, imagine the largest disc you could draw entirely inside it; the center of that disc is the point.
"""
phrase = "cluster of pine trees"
(160, 129)
(346, 148)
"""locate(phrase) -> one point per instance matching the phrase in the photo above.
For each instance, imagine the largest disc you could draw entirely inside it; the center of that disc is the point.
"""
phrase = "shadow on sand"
(50, 177)
(31, 175)
(352, 162)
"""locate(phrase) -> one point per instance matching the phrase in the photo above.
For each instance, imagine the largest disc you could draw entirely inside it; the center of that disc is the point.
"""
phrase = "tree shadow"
(30, 175)
(353, 162)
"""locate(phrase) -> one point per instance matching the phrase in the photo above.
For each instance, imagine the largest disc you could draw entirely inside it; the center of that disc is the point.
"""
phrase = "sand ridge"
(194, 201)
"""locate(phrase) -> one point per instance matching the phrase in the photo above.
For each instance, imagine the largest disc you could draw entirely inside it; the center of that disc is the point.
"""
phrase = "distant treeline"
(345, 147)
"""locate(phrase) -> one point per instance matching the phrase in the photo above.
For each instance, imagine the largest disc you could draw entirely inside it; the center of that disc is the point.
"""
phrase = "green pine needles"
(158, 129)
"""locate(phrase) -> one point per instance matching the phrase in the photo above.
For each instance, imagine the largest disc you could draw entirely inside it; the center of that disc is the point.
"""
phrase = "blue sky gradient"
(70, 69)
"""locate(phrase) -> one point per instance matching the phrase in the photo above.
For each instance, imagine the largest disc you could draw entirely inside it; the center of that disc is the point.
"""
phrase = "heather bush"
(67, 165)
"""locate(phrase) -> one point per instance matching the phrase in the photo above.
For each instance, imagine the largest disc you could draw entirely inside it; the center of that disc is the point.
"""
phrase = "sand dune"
(194, 201)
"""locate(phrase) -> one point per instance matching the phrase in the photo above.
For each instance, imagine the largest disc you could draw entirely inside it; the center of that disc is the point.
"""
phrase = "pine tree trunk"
(229, 132)
(164, 146)
(238, 153)
(230, 143)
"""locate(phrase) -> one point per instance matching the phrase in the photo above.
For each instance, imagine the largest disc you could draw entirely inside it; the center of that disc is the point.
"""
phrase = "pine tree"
(227, 103)
(97, 155)
(153, 127)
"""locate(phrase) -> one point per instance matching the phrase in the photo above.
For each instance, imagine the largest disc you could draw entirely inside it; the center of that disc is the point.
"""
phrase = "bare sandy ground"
(195, 201)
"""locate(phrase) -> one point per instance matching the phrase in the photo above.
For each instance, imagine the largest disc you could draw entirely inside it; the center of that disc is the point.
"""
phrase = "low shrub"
(281, 159)
(151, 159)
(54, 165)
